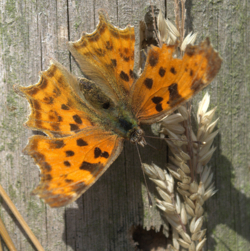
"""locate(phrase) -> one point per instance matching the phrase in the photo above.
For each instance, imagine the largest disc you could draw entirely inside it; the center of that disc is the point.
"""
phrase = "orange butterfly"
(86, 121)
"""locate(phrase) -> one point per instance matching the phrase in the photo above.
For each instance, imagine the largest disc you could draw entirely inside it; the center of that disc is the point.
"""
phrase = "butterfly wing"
(57, 107)
(106, 56)
(78, 148)
(167, 82)
(70, 165)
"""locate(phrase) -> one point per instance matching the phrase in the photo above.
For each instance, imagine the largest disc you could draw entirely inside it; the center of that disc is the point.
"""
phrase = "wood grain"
(32, 32)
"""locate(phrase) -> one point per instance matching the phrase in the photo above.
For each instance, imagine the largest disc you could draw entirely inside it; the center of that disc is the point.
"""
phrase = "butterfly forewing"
(167, 82)
(56, 109)
(107, 57)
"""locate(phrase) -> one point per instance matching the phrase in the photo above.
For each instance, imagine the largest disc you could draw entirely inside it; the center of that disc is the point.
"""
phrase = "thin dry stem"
(20, 219)
(6, 237)
(177, 14)
(183, 17)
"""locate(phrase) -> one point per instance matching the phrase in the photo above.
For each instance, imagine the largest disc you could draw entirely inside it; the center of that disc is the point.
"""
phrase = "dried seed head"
(183, 186)
(201, 189)
(192, 224)
(175, 118)
(201, 244)
(209, 193)
(175, 238)
(185, 236)
(193, 187)
(198, 210)
(184, 219)
(175, 174)
(189, 202)
(189, 209)
(203, 106)
(183, 192)
(192, 247)
(186, 180)
(185, 168)
(178, 204)
(161, 184)
(150, 171)
(183, 111)
(162, 27)
(174, 224)
(198, 224)
(194, 196)
(183, 243)
(207, 118)
(206, 157)
(159, 171)
(189, 39)
(164, 195)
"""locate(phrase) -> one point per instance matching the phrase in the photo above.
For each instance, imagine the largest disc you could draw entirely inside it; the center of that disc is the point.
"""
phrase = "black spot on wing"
(66, 163)
(174, 96)
(64, 107)
(68, 180)
(36, 105)
(158, 107)
(81, 142)
(48, 100)
(105, 155)
(172, 70)
(51, 72)
(57, 144)
(74, 127)
(59, 118)
(157, 100)
(97, 152)
(91, 167)
(69, 153)
(43, 84)
(148, 82)
(162, 72)
(46, 166)
(124, 76)
(114, 63)
(77, 119)
(109, 46)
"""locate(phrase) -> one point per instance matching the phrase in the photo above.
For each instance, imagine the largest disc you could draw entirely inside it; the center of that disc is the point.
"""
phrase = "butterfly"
(86, 120)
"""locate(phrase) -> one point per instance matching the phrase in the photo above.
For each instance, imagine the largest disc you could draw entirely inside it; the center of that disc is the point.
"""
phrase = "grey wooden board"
(32, 32)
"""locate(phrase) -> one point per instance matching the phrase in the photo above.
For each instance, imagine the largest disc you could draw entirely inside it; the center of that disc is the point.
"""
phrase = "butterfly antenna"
(153, 146)
(149, 198)
(194, 141)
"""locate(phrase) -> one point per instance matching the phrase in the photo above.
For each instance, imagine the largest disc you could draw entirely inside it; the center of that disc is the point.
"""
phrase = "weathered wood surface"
(32, 32)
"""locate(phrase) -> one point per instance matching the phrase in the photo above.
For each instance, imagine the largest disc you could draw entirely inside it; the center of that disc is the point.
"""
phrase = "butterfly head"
(137, 136)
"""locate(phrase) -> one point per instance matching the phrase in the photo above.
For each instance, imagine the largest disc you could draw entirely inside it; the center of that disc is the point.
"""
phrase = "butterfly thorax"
(118, 118)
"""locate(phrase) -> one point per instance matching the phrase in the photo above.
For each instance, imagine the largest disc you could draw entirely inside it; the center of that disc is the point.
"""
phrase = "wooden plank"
(33, 32)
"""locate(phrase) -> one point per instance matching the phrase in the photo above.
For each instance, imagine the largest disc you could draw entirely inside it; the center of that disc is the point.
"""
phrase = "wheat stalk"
(188, 182)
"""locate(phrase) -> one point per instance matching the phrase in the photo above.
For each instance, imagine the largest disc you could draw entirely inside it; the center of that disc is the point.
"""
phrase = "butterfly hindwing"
(70, 165)
(166, 82)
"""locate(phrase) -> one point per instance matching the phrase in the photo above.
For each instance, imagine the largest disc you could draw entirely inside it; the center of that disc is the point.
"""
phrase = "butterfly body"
(86, 120)
(118, 118)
